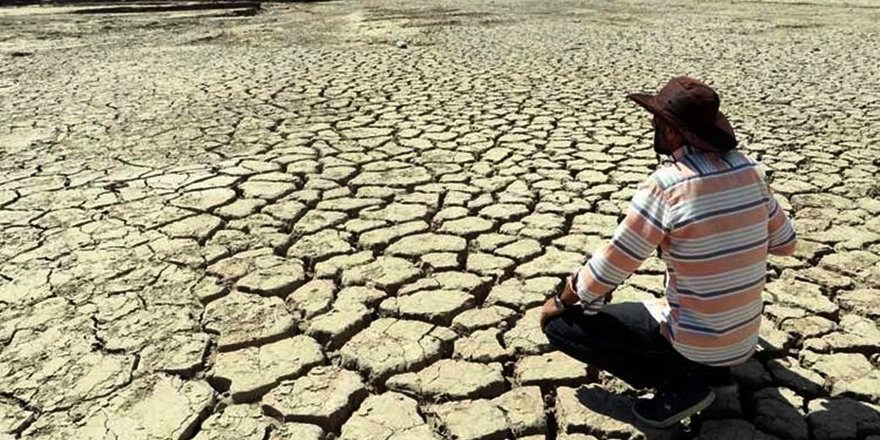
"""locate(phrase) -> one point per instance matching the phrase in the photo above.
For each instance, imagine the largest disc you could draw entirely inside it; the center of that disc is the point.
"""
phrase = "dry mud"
(336, 220)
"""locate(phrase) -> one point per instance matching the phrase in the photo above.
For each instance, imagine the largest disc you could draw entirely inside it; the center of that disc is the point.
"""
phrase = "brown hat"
(691, 107)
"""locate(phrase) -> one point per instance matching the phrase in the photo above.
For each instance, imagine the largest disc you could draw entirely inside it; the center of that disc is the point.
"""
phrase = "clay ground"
(291, 226)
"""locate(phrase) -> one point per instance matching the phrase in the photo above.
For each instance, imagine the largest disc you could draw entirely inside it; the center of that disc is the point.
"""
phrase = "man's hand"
(553, 308)
(549, 311)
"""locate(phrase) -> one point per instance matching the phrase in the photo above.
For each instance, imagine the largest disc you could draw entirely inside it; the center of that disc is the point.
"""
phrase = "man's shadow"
(761, 410)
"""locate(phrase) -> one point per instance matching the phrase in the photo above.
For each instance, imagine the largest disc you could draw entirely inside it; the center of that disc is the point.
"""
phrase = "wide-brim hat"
(692, 108)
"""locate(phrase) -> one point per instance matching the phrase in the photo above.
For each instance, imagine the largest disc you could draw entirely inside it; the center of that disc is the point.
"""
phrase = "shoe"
(672, 405)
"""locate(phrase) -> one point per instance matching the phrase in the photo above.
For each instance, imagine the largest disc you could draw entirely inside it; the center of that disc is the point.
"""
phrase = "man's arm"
(634, 240)
(781, 230)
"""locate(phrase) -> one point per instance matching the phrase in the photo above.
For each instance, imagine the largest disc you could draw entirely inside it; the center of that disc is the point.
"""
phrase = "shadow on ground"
(777, 412)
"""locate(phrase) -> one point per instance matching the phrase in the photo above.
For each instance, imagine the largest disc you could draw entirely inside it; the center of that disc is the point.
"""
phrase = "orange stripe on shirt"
(720, 304)
(684, 336)
(729, 262)
(697, 188)
(722, 223)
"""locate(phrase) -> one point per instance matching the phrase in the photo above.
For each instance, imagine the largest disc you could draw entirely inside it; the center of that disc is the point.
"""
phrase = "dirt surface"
(337, 219)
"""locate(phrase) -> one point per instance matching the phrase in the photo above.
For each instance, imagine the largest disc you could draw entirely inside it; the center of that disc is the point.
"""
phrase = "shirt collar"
(685, 150)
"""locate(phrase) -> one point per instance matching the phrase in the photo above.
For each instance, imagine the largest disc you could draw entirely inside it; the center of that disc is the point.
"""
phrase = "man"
(712, 217)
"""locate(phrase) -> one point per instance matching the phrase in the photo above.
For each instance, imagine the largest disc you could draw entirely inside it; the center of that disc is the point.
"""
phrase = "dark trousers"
(624, 340)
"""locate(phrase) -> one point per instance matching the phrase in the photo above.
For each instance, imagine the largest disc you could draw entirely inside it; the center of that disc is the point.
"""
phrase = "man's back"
(715, 221)
(721, 222)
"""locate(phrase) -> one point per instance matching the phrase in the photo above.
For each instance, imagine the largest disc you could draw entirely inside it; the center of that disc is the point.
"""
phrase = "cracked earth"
(337, 220)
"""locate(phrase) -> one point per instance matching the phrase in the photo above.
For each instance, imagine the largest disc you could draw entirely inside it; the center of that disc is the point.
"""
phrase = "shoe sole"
(699, 406)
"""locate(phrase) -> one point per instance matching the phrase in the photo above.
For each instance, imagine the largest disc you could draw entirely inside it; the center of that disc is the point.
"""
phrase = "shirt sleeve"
(635, 238)
(780, 229)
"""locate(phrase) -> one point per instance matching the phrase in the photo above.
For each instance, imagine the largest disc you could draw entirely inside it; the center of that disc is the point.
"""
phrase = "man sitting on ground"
(713, 219)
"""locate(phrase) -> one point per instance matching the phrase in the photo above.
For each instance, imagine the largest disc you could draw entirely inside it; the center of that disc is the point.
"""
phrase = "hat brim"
(719, 137)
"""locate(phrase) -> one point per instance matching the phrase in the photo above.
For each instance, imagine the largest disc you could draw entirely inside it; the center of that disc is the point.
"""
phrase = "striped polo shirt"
(715, 220)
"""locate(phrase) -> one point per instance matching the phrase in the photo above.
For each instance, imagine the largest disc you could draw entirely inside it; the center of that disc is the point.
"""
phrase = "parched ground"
(337, 220)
